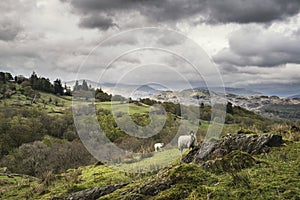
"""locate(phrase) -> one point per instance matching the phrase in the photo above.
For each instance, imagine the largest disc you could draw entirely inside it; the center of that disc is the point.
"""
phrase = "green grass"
(58, 185)
(290, 112)
(83, 178)
(58, 105)
(15, 187)
(276, 177)
(123, 107)
(153, 163)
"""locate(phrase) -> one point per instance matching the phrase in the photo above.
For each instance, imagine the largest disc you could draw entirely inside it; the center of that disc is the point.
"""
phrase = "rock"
(252, 144)
(92, 193)
(99, 163)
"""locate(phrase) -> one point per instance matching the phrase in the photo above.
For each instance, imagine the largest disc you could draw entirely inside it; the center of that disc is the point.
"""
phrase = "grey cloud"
(252, 46)
(247, 11)
(172, 11)
(170, 39)
(124, 40)
(97, 21)
(9, 30)
(228, 69)
(132, 59)
(10, 25)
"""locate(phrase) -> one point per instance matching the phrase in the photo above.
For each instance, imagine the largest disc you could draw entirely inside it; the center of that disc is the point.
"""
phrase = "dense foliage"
(24, 125)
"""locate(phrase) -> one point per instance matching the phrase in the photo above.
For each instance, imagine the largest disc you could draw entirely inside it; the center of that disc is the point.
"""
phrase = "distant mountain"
(147, 88)
(189, 97)
(280, 89)
(242, 91)
(158, 87)
(295, 96)
(269, 106)
(231, 90)
(133, 91)
(126, 90)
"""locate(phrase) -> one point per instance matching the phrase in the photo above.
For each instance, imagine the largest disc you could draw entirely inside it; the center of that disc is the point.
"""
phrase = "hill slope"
(276, 177)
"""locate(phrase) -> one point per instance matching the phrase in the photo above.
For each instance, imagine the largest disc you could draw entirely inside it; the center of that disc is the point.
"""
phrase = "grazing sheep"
(158, 146)
(186, 141)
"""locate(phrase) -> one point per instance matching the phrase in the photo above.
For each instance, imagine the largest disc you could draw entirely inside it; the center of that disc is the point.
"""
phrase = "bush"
(52, 155)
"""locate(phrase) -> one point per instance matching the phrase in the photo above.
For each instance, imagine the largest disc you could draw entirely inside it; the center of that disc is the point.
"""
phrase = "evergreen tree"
(34, 81)
(58, 89)
(85, 85)
(102, 96)
(76, 87)
(5, 76)
(67, 90)
(229, 108)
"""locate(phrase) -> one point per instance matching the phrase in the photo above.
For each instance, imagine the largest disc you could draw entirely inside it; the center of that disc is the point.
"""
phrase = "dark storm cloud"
(247, 11)
(154, 11)
(9, 29)
(10, 25)
(197, 11)
(99, 21)
(252, 46)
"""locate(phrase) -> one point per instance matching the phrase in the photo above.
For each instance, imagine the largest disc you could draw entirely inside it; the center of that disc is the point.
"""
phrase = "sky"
(252, 44)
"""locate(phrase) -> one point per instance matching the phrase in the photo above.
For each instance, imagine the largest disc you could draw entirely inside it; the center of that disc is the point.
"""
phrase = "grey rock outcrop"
(92, 193)
(252, 144)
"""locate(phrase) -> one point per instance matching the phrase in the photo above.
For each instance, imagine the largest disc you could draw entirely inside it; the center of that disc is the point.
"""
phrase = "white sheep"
(186, 141)
(158, 146)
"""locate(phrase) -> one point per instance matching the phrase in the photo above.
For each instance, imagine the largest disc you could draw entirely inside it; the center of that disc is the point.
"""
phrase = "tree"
(40, 83)
(34, 81)
(2, 77)
(45, 85)
(102, 96)
(76, 87)
(202, 105)
(58, 89)
(229, 108)
(5, 77)
(19, 79)
(67, 90)
(85, 85)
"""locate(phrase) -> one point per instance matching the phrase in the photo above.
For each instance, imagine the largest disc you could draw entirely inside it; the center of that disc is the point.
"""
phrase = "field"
(118, 107)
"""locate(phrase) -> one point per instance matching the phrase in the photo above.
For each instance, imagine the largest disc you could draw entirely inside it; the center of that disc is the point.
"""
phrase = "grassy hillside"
(291, 112)
(123, 107)
(276, 177)
(48, 102)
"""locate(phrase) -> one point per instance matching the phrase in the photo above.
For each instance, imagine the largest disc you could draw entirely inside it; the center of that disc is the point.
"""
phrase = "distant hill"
(133, 91)
(295, 96)
(269, 106)
(125, 90)
(144, 91)
(232, 90)
(241, 91)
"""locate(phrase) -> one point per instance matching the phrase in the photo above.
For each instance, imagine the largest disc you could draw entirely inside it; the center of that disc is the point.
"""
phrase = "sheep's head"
(193, 137)
(192, 133)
